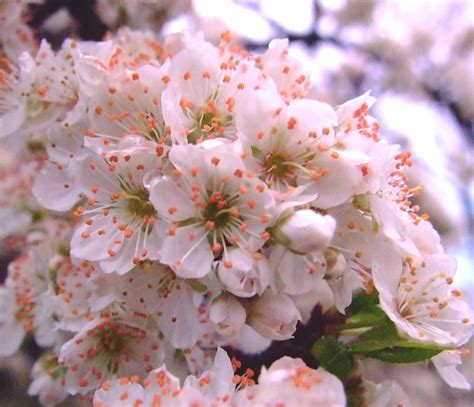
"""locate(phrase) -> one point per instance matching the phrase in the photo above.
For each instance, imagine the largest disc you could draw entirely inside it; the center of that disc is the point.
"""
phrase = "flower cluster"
(286, 379)
(174, 197)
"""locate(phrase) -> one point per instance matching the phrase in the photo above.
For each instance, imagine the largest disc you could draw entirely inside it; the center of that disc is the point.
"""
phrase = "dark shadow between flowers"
(297, 347)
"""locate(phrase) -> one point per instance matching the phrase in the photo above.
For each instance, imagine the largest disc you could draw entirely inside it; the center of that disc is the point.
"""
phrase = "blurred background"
(417, 58)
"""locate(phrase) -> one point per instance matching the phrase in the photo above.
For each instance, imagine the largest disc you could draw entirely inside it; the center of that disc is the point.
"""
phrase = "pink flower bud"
(306, 231)
(274, 316)
(228, 315)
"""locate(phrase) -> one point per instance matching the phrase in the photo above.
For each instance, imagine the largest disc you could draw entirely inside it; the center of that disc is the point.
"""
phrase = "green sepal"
(196, 285)
(334, 356)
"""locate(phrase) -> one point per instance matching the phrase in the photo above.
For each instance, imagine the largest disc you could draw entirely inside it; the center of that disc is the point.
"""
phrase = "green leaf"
(364, 302)
(256, 152)
(334, 356)
(403, 355)
(365, 319)
(384, 343)
(196, 285)
(384, 331)
(364, 312)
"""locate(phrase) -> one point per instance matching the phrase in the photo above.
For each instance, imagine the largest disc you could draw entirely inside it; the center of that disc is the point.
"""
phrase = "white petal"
(188, 252)
(445, 364)
(170, 201)
(54, 188)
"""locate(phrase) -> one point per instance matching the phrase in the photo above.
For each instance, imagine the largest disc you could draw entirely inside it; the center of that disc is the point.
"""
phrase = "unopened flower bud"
(336, 264)
(274, 316)
(228, 315)
(247, 276)
(306, 231)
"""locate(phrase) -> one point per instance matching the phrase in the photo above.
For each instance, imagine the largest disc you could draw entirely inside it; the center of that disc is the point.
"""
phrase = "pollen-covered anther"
(185, 104)
(159, 151)
(260, 188)
(243, 227)
(314, 175)
(292, 123)
(265, 235)
(228, 264)
(242, 190)
(216, 248)
(265, 218)
(209, 225)
(42, 90)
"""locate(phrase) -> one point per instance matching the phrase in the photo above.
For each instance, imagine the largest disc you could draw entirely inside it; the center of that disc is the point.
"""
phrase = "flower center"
(35, 107)
(217, 213)
(138, 203)
(114, 342)
(111, 341)
(208, 125)
(276, 165)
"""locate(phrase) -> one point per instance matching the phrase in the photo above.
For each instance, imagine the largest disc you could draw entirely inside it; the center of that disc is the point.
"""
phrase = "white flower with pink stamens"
(17, 205)
(30, 283)
(200, 100)
(212, 203)
(118, 224)
(285, 70)
(290, 379)
(291, 148)
(40, 91)
(416, 295)
(128, 102)
(214, 387)
(109, 347)
(151, 291)
(48, 380)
